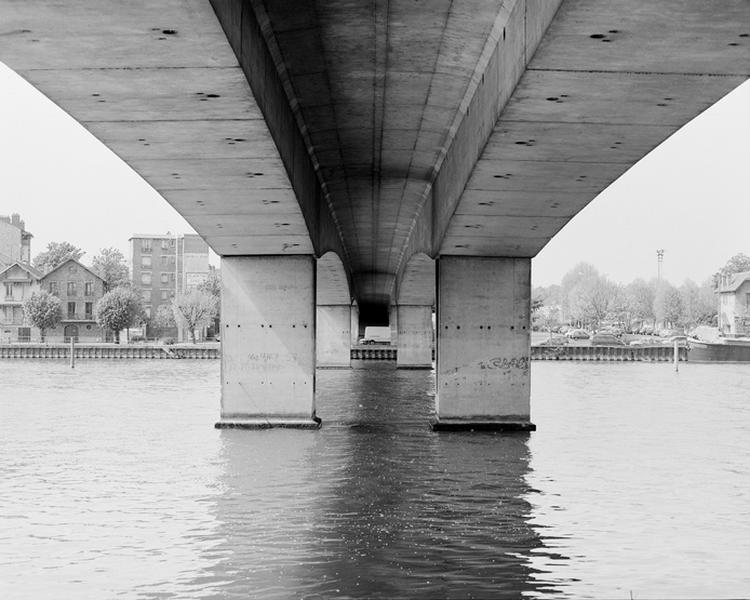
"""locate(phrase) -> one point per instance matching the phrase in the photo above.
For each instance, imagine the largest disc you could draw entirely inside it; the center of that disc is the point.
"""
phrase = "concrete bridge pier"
(483, 343)
(354, 326)
(268, 342)
(333, 344)
(414, 324)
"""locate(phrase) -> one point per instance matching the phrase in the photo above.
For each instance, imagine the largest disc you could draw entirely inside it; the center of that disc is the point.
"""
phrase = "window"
(9, 291)
(53, 287)
(747, 303)
(165, 277)
(165, 294)
(145, 262)
(146, 278)
(165, 244)
(89, 310)
(88, 288)
(71, 310)
(145, 245)
(164, 260)
(147, 295)
(148, 312)
(72, 288)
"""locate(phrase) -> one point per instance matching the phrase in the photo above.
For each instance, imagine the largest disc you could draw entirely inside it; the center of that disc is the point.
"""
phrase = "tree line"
(588, 298)
(121, 307)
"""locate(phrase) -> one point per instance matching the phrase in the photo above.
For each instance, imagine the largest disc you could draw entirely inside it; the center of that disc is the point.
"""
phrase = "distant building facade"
(15, 241)
(734, 304)
(79, 289)
(17, 282)
(165, 265)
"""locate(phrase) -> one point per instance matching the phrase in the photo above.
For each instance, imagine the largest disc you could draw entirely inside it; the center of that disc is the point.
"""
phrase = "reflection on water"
(113, 482)
(376, 506)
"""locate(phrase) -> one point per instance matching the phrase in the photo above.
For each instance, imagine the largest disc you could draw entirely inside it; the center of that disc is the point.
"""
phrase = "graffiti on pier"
(506, 364)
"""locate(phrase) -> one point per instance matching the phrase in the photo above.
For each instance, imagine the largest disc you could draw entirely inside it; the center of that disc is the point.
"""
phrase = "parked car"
(616, 331)
(555, 340)
(578, 334)
(681, 340)
(606, 339)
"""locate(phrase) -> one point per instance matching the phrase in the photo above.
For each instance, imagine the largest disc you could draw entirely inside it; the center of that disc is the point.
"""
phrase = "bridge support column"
(414, 337)
(483, 343)
(354, 324)
(333, 342)
(268, 342)
(393, 324)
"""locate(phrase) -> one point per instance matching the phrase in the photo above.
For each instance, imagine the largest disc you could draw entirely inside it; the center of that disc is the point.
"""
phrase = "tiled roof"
(737, 280)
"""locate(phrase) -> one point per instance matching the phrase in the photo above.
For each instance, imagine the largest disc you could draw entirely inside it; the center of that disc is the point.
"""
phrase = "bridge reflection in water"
(376, 504)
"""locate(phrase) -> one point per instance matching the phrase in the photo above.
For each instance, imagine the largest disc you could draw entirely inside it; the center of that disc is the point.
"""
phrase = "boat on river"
(726, 350)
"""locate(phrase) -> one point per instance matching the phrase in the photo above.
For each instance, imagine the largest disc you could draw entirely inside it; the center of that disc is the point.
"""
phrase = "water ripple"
(113, 483)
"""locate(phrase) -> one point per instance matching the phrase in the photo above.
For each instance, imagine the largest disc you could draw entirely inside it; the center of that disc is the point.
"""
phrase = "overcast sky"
(690, 196)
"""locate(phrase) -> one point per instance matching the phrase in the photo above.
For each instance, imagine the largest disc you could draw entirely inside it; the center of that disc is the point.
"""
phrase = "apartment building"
(165, 265)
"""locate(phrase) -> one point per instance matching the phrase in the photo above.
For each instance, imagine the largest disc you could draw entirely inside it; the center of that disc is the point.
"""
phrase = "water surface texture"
(113, 483)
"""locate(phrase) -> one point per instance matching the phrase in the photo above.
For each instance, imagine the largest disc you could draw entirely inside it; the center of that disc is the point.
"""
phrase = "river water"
(114, 484)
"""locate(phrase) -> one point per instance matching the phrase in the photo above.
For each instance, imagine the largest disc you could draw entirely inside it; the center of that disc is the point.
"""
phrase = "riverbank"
(110, 351)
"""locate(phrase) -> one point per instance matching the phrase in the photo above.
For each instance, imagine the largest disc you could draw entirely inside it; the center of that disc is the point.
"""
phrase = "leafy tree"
(737, 264)
(120, 308)
(640, 298)
(43, 310)
(668, 304)
(164, 316)
(55, 255)
(699, 304)
(110, 265)
(195, 310)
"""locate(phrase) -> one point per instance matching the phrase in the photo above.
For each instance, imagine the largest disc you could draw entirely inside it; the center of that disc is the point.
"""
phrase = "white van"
(376, 335)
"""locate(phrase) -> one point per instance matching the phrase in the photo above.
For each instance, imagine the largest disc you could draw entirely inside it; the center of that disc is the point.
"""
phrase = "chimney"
(15, 219)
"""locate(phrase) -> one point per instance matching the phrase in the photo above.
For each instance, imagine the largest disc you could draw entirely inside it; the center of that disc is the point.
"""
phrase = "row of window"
(167, 261)
(164, 295)
(88, 288)
(164, 278)
(147, 244)
(88, 311)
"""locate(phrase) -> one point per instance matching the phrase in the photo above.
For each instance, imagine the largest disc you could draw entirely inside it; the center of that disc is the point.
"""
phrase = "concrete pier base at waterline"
(268, 342)
(483, 344)
(414, 337)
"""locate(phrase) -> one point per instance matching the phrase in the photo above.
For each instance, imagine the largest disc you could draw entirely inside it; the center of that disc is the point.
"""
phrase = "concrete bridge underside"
(390, 134)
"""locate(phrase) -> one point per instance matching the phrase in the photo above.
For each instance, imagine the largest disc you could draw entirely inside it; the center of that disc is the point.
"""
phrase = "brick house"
(78, 288)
